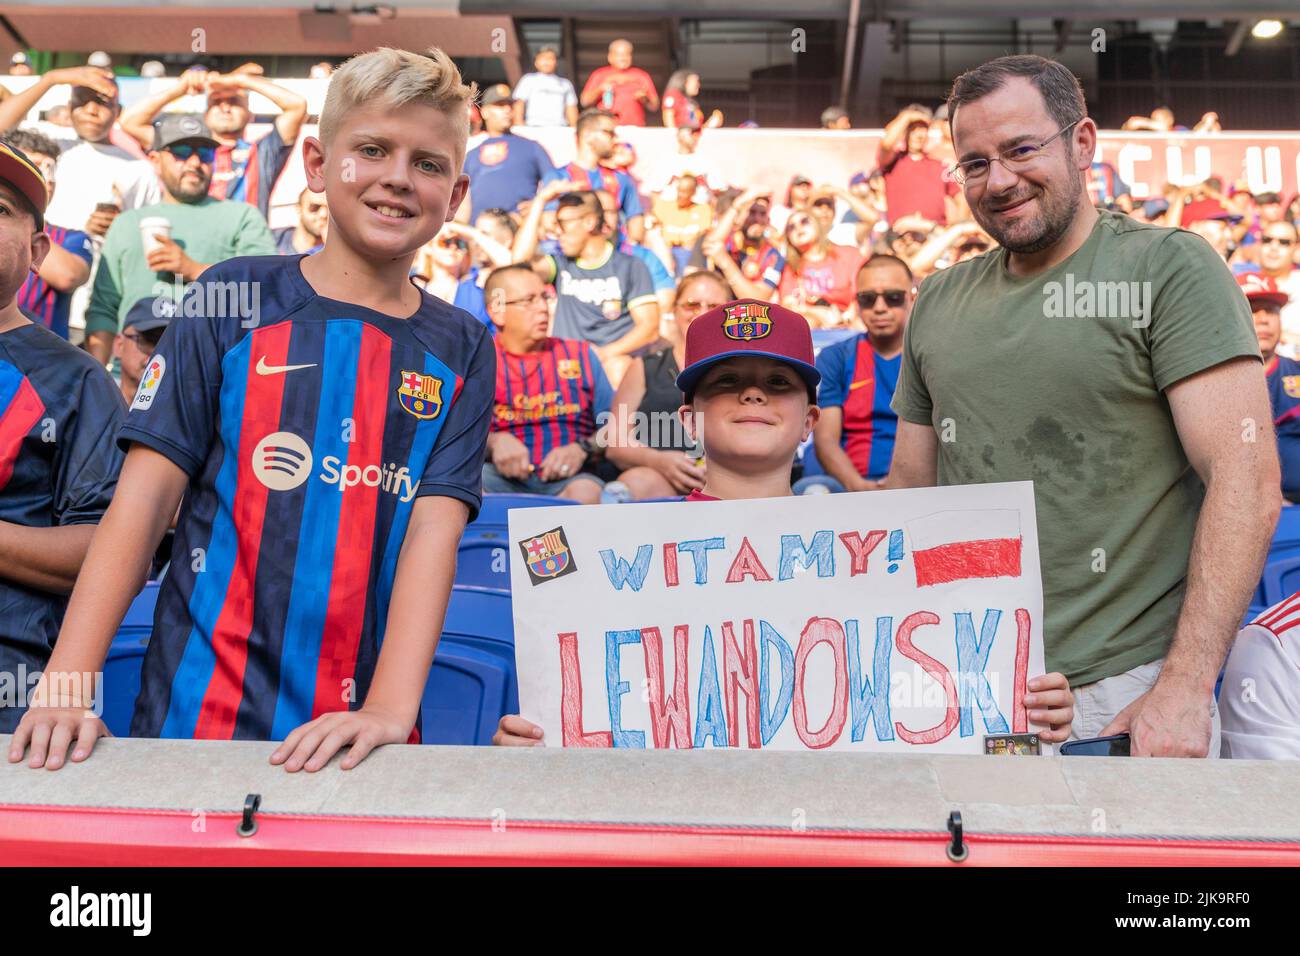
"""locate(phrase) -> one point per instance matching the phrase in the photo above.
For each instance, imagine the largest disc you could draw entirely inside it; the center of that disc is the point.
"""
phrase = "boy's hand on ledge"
(514, 731)
(50, 731)
(311, 746)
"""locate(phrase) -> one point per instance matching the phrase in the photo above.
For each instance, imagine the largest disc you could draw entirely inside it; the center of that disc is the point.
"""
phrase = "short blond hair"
(393, 78)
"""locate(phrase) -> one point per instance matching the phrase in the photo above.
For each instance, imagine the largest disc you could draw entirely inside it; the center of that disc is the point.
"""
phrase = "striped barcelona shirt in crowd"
(861, 382)
(552, 397)
(40, 300)
(247, 172)
(307, 436)
(59, 411)
(613, 181)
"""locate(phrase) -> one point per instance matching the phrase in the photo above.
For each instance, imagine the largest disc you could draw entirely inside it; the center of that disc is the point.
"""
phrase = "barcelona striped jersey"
(59, 412)
(307, 431)
(860, 381)
(40, 300)
(552, 397)
(247, 172)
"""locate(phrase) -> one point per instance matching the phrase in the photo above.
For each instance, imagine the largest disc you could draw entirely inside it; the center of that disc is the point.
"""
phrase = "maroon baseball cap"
(1262, 288)
(748, 327)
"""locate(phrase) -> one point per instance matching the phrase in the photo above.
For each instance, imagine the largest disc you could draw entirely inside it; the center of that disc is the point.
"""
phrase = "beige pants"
(1097, 704)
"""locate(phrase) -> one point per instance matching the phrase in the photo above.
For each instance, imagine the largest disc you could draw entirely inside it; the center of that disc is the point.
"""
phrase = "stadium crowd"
(586, 279)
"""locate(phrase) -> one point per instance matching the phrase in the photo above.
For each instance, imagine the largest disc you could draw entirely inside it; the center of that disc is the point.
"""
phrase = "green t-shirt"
(1055, 378)
(210, 231)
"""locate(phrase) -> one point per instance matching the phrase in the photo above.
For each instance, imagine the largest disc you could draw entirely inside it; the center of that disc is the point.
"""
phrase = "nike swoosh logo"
(264, 369)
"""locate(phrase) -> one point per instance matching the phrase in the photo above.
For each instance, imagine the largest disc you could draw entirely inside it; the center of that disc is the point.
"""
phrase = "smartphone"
(1113, 746)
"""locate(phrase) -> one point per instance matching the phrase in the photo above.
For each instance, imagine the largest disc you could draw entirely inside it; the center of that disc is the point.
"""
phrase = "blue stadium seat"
(121, 684)
(483, 561)
(1281, 579)
(496, 506)
(1287, 534)
(472, 683)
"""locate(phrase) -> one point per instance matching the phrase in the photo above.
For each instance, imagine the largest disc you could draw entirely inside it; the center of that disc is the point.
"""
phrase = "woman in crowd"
(680, 104)
(645, 436)
(818, 280)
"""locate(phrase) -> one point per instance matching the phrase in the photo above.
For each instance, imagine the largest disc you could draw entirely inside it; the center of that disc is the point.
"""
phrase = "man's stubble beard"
(1054, 220)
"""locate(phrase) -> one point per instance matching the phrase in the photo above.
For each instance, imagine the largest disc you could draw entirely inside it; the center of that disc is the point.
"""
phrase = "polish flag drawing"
(960, 545)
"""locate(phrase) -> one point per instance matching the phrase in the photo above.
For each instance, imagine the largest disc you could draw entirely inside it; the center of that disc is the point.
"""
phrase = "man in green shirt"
(1114, 364)
(203, 231)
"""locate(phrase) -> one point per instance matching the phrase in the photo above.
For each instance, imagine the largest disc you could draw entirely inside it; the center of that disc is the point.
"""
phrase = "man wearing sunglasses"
(202, 231)
(1277, 254)
(854, 438)
(1144, 428)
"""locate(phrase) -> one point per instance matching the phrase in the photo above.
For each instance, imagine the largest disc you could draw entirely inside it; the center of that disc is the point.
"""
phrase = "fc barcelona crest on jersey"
(547, 556)
(746, 321)
(568, 368)
(421, 395)
(1291, 385)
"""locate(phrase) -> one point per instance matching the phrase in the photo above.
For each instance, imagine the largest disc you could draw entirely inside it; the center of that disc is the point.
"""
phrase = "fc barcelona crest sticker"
(420, 395)
(1291, 385)
(568, 368)
(547, 556)
(746, 321)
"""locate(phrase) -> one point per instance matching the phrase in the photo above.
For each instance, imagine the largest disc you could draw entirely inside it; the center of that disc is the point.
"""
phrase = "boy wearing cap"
(504, 170)
(329, 449)
(136, 263)
(98, 178)
(135, 344)
(1283, 374)
(59, 412)
(750, 385)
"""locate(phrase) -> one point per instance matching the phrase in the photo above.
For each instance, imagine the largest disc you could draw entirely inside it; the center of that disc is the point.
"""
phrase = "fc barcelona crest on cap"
(547, 556)
(746, 321)
(421, 395)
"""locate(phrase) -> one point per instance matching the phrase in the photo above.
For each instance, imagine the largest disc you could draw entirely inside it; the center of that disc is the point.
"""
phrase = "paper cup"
(149, 228)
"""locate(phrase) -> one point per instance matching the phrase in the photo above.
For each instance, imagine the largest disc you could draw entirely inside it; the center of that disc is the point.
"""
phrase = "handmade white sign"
(876, 621)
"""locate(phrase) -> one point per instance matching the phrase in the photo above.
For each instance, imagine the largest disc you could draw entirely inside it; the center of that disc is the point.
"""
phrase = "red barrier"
(97, 836)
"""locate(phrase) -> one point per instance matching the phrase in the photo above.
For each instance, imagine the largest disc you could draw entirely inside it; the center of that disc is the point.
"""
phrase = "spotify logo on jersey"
(282, 461)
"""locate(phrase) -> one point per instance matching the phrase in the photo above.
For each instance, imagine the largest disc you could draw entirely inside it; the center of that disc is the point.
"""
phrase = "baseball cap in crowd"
(1261, 288)
(748, 124)
(100, 59)
(800, 180)
(18, 59)
(24, 175)
(500, 93)
(1207, 209)
(858, 177)
(1155, 207)
(173, 128)
(749, 327)
(152, 69)
(150, 314)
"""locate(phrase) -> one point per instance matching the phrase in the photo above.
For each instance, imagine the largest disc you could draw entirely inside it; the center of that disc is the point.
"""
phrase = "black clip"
(957, 850)
(248, 826)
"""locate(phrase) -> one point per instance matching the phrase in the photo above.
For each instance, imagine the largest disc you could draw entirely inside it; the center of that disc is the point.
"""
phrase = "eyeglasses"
(1276, 240)
(1014, 158)
(145, 343)
(183, 151)
(893, 298)
(914, 236)
(458, 243)
(529, 301)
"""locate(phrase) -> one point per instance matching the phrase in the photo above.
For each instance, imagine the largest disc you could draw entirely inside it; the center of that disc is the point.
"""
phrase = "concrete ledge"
(1045, 796)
